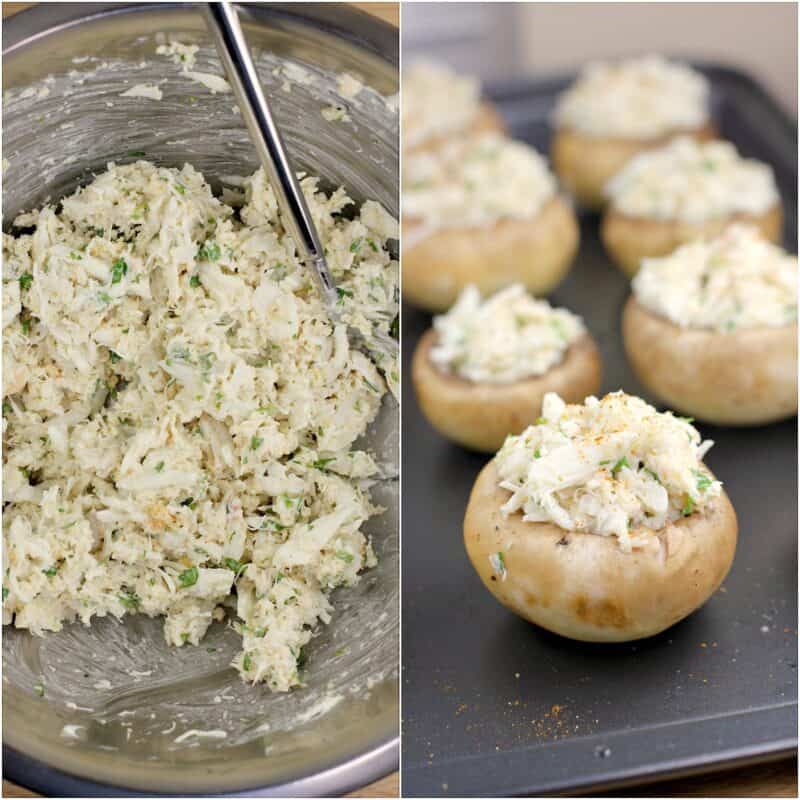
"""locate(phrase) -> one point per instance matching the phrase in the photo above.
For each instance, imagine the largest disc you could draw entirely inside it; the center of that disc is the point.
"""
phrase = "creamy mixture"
(642, 98)
(436, 102)
(509, 337)
(183, 55)
(737, 280)
(475, 182)
(693, 181)
(612, 467)
(179, 415)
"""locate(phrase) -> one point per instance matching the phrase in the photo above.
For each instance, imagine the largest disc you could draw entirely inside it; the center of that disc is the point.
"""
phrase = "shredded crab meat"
(693, 181)
(507, 337)
(736, 280)
(180, 415)
(475, 182)
(639, 98)
(436, 102)
(611, 467)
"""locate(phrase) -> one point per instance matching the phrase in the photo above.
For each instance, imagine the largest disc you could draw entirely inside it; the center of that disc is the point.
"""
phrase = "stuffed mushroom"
(685, 191)
(440, 105)
(711, 330)
(615, 111)
(483, 211)
(482, 371)
(601, 523)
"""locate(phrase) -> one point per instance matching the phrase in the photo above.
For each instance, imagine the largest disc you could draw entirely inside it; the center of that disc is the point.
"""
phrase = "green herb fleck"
(188, 577)
(343, 293)
(209, 251)
(234, 565)
(247, 662)
(703, 480)
(355, 244)
(130, 599)
(343, 555)
(104, 297)
(50, 571)
(115, 357)
(498, 562)
(119, 269)
(184, 637)
(623, 462)
(652, 474)
(159, 466)
(256, 442)
(688, 506)
(25, 281)
(558, 327)
(136, 153)
(194, 281)
(39, 688)
(180, 187)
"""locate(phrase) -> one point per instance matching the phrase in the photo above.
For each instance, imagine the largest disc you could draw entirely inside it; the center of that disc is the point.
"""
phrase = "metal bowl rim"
(356, 26)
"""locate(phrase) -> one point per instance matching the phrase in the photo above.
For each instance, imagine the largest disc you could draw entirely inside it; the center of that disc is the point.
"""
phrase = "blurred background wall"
(499, 40)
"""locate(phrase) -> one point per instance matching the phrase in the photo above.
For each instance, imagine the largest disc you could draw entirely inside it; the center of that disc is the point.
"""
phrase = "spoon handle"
(223, 23)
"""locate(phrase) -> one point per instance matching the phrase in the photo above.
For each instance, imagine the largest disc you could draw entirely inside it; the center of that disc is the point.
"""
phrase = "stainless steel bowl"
(63, 121)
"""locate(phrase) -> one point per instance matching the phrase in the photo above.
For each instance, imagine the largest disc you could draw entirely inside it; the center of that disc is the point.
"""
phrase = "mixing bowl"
(109, 709)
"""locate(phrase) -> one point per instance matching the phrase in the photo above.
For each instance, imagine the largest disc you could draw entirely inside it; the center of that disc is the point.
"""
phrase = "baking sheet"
(493, 705)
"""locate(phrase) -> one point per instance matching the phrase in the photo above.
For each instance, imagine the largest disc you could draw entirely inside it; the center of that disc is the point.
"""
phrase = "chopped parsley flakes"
(130, 600)
(188, 577)
(209, 251)
(119, 269)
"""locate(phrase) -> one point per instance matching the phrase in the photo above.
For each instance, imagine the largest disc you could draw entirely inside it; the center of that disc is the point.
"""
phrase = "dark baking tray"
(493, 705)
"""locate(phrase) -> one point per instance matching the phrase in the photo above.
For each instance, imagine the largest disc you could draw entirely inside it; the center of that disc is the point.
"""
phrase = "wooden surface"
(768, 780)
(778, 779)
(12, 8)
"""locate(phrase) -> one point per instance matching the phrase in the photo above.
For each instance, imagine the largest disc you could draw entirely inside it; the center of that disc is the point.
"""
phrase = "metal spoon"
(226, 31)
